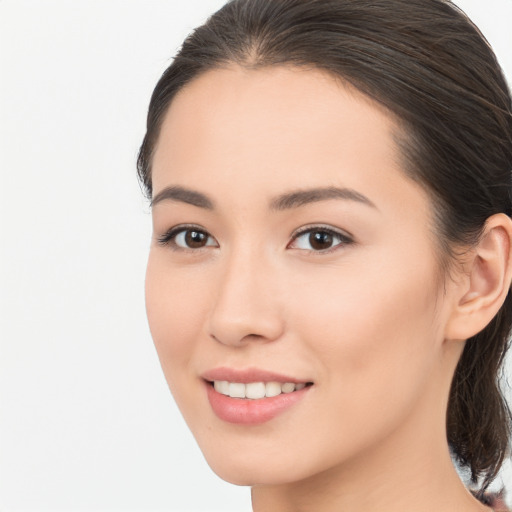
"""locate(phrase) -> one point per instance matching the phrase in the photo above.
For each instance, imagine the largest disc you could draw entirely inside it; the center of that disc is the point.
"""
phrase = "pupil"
(320, 240)
(195, 239)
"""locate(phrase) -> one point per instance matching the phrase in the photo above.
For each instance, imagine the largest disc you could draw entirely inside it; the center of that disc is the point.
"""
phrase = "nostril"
(234, 339)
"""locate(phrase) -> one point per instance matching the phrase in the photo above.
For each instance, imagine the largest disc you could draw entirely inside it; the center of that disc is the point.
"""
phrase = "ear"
(486, 282)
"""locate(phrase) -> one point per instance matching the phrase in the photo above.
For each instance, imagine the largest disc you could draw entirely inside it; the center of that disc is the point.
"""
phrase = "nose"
(246, 306)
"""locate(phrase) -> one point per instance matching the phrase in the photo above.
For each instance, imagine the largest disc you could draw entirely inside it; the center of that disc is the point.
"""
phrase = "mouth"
(252, 397)
(256, 390)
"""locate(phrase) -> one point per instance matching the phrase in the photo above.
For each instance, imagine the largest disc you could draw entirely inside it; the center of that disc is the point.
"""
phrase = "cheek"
(374, 334)
(173, 306)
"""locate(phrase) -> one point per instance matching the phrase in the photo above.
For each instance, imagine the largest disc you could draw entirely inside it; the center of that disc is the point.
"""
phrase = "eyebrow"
(183, 195)
(302, 197)
(294, 199)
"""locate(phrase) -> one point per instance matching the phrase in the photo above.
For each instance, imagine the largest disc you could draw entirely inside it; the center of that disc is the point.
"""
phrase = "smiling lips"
(255, 390)
(251, 397)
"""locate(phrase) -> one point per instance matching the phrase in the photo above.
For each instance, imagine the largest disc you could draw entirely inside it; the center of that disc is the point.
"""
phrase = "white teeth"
(236, 390)
(222, 386)
(288, 387)
(255, 390)
(272, 389)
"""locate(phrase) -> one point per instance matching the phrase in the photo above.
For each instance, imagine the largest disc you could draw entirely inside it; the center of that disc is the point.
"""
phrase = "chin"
(259, 466)
(249, 475)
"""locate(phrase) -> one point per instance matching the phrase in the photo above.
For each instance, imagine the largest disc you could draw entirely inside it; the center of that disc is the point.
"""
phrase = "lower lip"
(251, 412)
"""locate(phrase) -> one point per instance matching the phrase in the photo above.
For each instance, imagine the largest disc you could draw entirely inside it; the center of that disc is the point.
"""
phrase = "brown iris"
(320, 240)
(195, 239)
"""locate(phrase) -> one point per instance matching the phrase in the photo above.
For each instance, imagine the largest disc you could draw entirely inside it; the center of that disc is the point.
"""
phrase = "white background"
(86, 420)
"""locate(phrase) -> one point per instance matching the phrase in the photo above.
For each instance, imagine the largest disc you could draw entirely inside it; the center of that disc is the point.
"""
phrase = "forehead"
(263, 132)
(269, 96)
(269, 116)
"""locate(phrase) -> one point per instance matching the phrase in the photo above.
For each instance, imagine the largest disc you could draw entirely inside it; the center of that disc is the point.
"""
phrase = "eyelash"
(343, 238)
(169, 238)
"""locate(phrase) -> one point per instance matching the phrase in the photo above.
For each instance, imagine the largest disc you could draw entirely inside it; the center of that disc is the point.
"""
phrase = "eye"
(319, 239)
(192, 237)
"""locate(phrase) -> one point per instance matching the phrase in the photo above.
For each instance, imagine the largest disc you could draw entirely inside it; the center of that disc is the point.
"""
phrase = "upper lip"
(247, 375)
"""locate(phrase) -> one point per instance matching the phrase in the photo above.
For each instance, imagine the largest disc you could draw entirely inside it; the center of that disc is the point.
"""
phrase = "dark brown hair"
(430, 66)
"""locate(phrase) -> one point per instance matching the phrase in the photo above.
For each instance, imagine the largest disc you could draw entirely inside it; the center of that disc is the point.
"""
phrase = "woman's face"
(289, 247)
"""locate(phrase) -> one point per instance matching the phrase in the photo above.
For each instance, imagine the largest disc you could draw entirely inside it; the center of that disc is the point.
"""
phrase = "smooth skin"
(362, 310)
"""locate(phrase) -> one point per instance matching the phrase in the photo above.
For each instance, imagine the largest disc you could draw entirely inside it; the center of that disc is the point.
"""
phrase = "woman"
(328, 286)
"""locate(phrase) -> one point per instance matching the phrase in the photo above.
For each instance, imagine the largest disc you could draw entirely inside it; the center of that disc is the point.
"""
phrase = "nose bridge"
(246, 303)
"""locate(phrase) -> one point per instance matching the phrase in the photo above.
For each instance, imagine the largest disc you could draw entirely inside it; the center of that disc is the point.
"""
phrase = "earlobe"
(487, 282)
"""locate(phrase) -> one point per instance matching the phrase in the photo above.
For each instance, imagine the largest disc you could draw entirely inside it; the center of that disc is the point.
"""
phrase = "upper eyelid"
(319, 227)
(184, 227)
